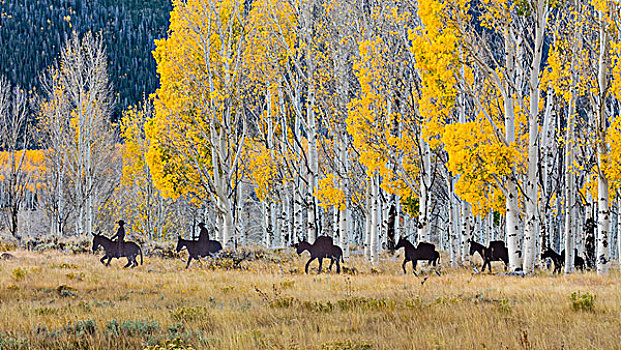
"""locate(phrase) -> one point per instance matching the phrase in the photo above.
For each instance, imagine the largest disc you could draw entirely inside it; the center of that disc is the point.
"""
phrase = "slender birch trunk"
(423, 203)
(375, 211)
(530, 231)
(619, 229)
(603, 207)
(452, 228)
(466, 231)
(368, 219)
(512, 218)
(570, 184)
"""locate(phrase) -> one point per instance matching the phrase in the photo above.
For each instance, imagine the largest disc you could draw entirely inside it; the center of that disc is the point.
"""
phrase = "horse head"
(180, 244)
(400, 243)
(96, 242)
(301, 246)
(473, 246)
(548, 253)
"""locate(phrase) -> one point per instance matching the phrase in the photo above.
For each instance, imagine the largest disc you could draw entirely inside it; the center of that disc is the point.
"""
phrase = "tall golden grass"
(48, 300)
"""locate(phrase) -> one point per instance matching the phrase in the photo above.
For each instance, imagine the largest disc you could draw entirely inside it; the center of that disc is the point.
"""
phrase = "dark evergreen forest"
(33, 31)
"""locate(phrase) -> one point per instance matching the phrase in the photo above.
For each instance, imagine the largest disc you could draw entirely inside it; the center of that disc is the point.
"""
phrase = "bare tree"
(14, 141)
(74, 113)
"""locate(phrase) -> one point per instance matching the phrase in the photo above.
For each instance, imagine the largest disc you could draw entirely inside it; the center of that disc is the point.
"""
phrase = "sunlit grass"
(71, 301)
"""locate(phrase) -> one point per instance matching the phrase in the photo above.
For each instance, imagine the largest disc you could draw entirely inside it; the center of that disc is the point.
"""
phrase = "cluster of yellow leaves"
(329, 193)
(262, 166)
(371, 122)
(435, 46)
(481, 161)
(613, 161)
(615, 53)
(33, 164)
(271, 40)
(195, 65)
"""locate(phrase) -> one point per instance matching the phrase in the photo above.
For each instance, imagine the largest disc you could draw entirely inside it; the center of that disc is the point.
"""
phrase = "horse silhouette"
(322, 248)
(128, 250)
(579, 262)
(424, 251)
(198, 249)
(559, 260)
(496, 252)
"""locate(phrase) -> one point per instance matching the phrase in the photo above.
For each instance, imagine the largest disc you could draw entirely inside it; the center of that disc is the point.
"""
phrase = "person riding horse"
(203, 236)
(120, 236)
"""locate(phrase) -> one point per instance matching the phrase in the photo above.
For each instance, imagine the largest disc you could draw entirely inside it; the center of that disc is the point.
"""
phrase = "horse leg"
(189, 259)
(109, 260)
(338, 265)
(308, 263)
(414, 263)
(102, 259)
(129, 262)
(331, 263)
(405, 261)
(320, 263)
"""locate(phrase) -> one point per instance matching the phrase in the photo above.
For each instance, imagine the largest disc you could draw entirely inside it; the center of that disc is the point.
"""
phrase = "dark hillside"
(32, 32)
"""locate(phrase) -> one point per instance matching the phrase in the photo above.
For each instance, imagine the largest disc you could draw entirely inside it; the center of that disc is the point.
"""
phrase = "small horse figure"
(578, 261)
(198, 249)
(559, 260)
(129, 250)
(496, 252)
(424, 251)
(322, 248)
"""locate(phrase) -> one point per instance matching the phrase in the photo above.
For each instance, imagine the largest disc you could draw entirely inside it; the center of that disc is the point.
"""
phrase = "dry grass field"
(49, 300)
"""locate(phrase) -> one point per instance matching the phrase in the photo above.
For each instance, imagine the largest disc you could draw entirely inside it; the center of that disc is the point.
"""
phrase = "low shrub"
(174, 344)
(365, 304)
(81, 328)
(144, 328)
(7, 246)
(189, 314)
(583, 301)
(19, 274)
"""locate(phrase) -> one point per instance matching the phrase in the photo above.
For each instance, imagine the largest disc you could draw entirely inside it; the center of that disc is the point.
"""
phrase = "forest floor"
(51, 300)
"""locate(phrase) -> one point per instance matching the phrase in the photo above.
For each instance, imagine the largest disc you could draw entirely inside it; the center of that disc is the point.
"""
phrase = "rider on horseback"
(120, 236)
(203, 236)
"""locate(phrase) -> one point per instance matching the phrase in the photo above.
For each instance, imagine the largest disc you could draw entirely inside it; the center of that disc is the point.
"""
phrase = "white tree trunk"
(298, 214)
(423, 203)
(452, 227)
(285, 230)
(375, 212)
(512, 215)
(265, 213)
(368, 219)
(228, 231)
(530, 229)
(240, 225)
(569, 218)
(619, 229)
(466, 231)
(603, 208)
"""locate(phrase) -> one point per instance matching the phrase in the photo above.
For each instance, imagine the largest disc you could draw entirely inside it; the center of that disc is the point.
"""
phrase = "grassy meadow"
(50, 300)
